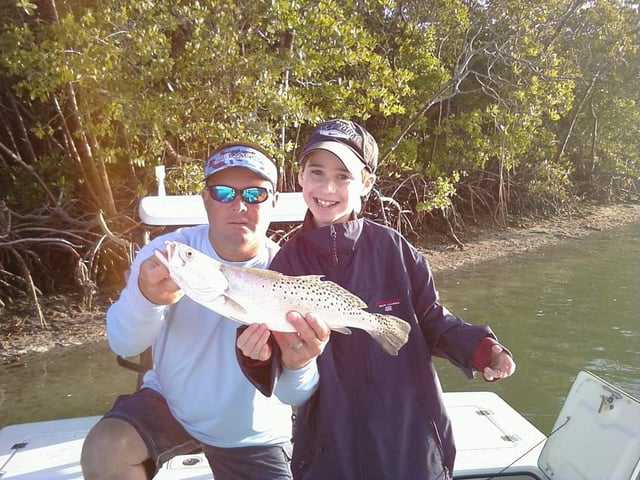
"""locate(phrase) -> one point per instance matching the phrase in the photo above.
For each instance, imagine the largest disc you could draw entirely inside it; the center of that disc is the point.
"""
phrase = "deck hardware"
(191, 461)
(606, 402)
(484, 413)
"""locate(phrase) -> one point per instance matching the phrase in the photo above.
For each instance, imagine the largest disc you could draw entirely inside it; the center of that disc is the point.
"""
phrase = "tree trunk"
(78, 147)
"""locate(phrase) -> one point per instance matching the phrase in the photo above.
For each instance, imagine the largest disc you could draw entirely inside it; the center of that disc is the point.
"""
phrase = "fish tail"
(393, 335)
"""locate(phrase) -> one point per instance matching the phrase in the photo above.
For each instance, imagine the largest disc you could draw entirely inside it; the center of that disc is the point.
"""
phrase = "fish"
(253, 295)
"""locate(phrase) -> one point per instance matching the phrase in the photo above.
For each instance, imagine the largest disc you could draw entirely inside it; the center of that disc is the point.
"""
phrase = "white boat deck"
(488, 431)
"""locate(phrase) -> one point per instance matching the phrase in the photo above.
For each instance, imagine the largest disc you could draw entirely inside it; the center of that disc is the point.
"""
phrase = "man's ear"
(300, 176)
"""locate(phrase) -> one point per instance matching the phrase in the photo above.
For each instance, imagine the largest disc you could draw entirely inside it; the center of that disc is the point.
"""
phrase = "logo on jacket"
(387, 305)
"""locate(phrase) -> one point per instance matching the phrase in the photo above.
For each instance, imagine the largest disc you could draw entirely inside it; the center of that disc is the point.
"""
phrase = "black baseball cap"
(351, 143)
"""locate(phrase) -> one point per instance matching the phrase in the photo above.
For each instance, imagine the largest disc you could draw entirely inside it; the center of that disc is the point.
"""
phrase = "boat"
(595, 437)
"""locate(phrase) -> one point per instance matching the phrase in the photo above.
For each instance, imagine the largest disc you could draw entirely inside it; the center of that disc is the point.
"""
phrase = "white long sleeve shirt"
(196, 369)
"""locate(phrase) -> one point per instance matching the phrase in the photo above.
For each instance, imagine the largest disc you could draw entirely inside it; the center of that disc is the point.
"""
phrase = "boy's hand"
(253, 342)
(502, 365)
(302, 346)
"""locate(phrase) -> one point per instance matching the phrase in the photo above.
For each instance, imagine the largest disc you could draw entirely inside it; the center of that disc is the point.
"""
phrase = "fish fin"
(343, 330)
(393, 334)
(233, 308)
(312, 278)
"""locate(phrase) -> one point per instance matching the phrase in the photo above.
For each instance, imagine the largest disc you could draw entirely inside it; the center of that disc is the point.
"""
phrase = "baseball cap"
(246, 155)
(352, 144)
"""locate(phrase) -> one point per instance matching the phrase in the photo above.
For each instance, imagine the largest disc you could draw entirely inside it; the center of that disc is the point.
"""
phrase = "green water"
(560, 309)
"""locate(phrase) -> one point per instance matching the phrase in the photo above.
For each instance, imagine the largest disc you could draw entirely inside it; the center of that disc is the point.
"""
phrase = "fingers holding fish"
(302, 346)
(253, 342)
(295, 352)
(156, 284)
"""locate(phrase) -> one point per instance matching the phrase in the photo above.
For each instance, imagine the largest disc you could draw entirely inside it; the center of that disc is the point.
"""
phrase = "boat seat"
(188, 210)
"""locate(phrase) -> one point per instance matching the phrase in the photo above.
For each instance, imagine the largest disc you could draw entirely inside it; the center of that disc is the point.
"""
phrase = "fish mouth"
(171, 251)
(174, 254)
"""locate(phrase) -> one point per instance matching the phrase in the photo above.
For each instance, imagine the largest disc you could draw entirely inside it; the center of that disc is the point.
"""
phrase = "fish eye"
(189, 254)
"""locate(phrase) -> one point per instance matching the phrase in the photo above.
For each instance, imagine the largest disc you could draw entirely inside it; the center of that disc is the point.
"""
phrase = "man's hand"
(156, 285)
(502, 365)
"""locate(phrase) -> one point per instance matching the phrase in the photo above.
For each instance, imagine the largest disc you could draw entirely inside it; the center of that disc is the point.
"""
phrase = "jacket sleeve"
(447, 335)
(293, 387)
(261, 374)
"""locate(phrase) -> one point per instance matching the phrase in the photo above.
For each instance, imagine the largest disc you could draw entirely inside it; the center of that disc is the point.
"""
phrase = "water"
(62, 383)
(560, 310)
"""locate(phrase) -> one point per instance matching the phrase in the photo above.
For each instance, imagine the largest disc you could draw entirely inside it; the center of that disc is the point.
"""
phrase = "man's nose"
(239, 204)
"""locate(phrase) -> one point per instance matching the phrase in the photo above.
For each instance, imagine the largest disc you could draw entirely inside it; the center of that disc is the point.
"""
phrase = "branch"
(107, 231)
(441, 95)
(175, 156)
(15, 157)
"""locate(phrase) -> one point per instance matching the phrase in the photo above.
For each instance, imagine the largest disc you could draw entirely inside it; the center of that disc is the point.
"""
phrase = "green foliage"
(444, 189)
(504, 100)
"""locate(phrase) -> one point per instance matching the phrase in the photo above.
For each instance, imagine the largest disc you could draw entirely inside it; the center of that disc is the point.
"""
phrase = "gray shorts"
(147, 411)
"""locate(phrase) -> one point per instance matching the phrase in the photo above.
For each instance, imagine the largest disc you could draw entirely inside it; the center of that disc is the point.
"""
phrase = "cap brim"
(348, 157)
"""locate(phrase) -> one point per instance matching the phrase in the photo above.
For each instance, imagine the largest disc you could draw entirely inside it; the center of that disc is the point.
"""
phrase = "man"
(195, 396)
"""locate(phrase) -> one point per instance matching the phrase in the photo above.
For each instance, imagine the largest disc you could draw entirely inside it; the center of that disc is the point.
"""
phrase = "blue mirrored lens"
(222, 193)
(255, 194)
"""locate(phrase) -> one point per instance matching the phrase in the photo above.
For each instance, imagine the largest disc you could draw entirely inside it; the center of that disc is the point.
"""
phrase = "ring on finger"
(297, 346)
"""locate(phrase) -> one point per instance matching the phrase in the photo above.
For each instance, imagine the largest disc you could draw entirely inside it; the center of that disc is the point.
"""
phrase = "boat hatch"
(492, 438)
(596, 435)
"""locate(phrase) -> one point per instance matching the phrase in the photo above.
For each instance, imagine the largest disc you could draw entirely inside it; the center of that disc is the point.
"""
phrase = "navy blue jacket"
(376, 416)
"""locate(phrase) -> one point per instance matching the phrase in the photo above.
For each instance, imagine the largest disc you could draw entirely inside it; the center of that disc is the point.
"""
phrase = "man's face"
(237, 228)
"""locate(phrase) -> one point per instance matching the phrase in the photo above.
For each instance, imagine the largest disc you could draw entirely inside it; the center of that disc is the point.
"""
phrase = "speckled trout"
(252, 295)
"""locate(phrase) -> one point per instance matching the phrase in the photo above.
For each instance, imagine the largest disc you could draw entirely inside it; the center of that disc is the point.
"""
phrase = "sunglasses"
(226, 194)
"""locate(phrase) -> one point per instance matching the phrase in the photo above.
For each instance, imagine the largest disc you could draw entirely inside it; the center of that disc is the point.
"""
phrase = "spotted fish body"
(252, 295)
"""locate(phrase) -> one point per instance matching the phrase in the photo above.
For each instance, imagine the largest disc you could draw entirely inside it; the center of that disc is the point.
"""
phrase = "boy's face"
(330, 191)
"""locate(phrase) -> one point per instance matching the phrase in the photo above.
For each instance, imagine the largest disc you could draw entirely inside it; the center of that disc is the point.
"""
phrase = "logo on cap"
(241, 156)
(340, 130)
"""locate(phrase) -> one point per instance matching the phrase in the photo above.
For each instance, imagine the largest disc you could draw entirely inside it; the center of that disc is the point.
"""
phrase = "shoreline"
(71, 325)
(485, 245)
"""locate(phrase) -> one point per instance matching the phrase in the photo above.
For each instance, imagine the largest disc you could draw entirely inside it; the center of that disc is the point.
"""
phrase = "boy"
(369, 415)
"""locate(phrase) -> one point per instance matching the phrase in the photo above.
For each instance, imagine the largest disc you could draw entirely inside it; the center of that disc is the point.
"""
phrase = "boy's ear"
(367, 185)
(300, 176)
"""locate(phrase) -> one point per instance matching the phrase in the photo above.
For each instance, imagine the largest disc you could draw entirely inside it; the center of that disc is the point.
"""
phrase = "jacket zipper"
(334, 244)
